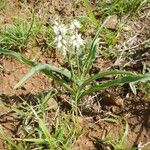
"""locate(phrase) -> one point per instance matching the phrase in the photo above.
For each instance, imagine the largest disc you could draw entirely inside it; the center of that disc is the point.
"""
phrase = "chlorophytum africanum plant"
(76, 77)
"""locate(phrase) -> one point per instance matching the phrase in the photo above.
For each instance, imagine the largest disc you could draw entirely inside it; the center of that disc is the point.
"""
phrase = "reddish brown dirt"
(137, 118)
(13, 72)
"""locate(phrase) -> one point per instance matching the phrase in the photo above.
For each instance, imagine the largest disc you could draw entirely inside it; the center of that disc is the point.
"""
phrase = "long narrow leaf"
(17, 56)
(102, 75)
(36, 141)
(105, 74)
(5, 137)
(47, 69)
(49, 138)
(92, 54)
(120, 81)
(90, 58)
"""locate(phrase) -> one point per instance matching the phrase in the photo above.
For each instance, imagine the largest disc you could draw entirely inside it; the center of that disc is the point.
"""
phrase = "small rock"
(109, 98)
(51, 9)
(82, 121)
(127, 28)
(111, 22)
(52, 103)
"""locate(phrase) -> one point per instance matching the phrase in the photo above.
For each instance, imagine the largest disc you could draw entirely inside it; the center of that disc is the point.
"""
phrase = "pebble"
(111, 22)
(52, 103)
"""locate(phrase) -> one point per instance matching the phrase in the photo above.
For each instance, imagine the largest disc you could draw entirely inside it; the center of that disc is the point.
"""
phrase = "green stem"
(75, 103)
(72, 70)
(78, 63)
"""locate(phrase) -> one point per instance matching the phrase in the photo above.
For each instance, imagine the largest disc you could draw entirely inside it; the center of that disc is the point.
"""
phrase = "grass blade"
(51, 140)
(36, 141)
(6, 138)
(90, 12)
(92, 54)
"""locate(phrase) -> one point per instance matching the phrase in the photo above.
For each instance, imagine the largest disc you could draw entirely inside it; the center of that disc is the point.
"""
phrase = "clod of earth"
(111, 22)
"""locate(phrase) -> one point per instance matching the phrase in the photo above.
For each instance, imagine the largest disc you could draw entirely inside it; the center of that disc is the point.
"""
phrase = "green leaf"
(48, 70)
(92, 54)
(17, 56)
(36, 141)
(102, 75)
(90, 58)
(120, 81)
(6, 138)
(105, 74)
(48, 137)
(45, 68)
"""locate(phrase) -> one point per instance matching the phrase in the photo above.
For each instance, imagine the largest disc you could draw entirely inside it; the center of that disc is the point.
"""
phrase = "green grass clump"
(38, 130)
(16, 36)
(120, 7)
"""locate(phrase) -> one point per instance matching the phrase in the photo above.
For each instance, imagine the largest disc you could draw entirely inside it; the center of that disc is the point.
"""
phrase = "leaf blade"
(115, 82)
(48, 70)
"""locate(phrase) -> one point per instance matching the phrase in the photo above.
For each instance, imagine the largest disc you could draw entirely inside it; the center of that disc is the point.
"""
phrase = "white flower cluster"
(68, 37)
(60, 31)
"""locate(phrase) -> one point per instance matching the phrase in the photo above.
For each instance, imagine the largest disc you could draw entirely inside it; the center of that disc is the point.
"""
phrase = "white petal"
(79, 39)
(74, 43)
(64, 52)
(59, 45)
(56, 23)
(63, 30)
(59, 38)
(77, 23)
(56, 30)
(72, 27)
(64, 42)
(81, 42)
(73, 37)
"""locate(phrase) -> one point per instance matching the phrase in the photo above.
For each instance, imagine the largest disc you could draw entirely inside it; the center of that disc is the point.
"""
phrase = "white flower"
(77, 41)
(63, 29)
(140, 146)
(75, 25)
(60, 42)
(59, 29)
(65, 40)
(58, 38)
(64, 50)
